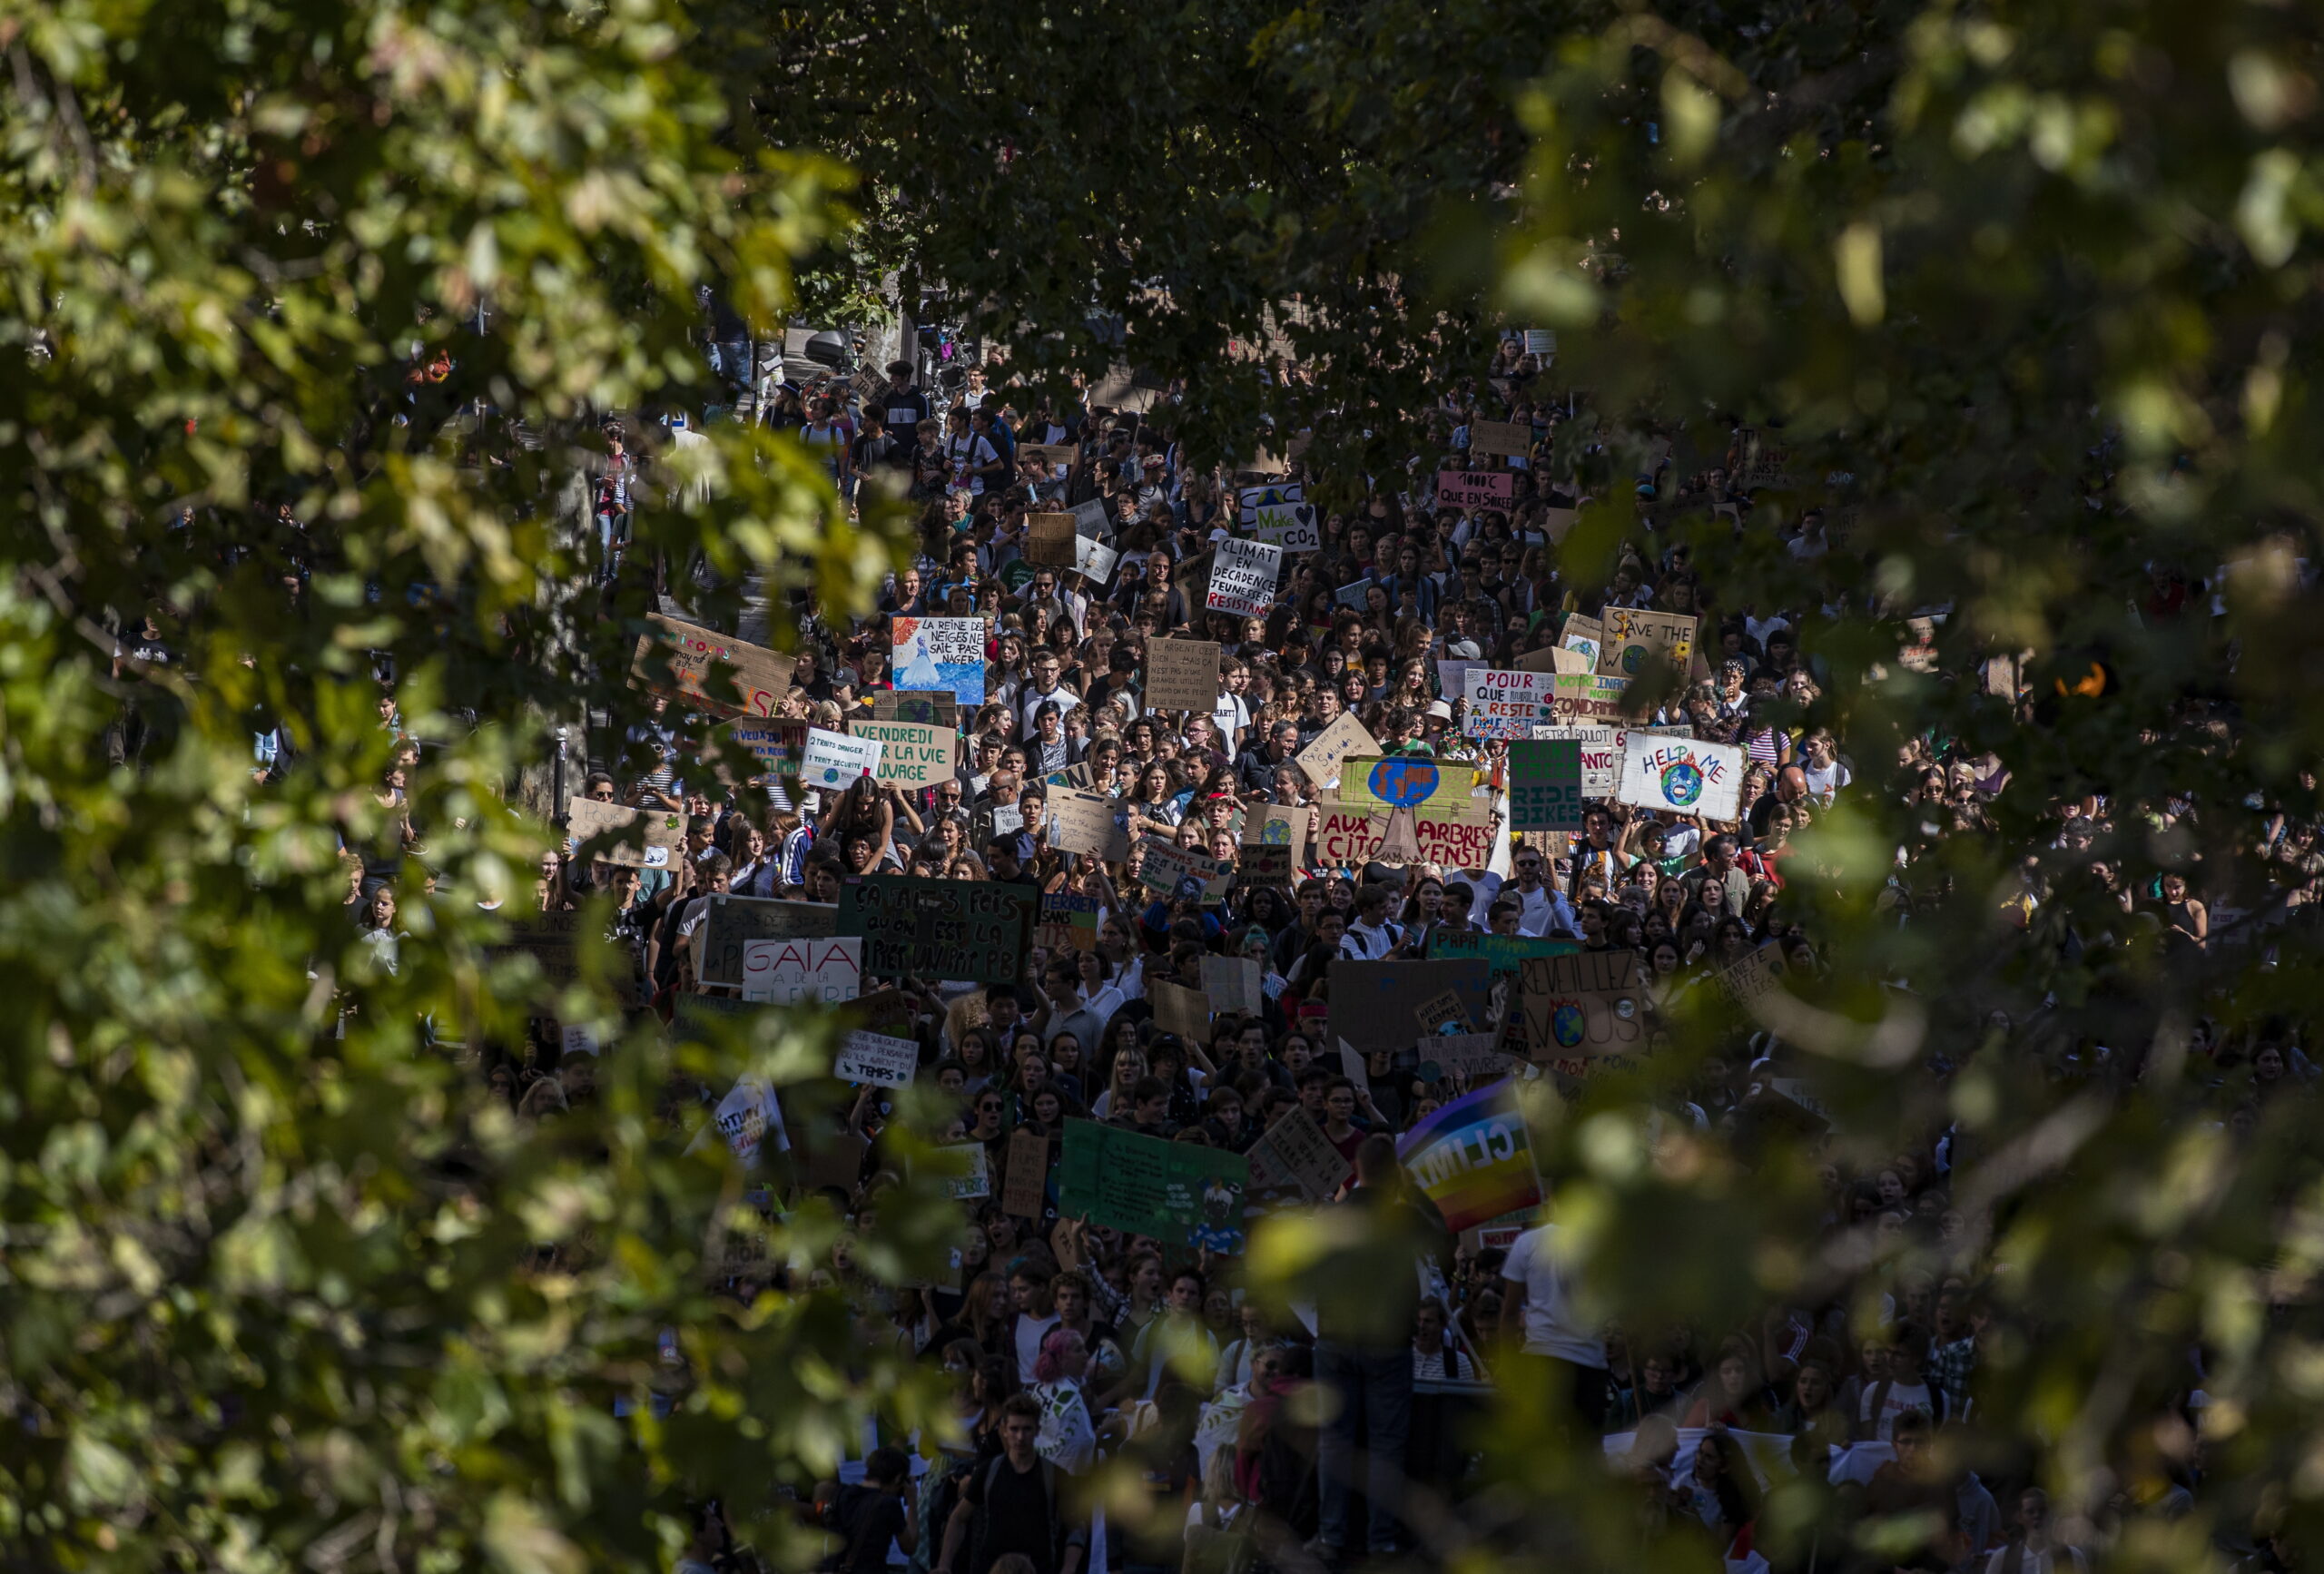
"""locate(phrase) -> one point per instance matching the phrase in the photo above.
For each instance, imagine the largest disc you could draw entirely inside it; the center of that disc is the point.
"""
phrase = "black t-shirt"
(867, 1521)
(903, 413)
(1015, 1515)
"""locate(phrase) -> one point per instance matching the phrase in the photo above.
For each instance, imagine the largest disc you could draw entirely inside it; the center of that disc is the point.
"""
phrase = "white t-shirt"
(1030, 1331)
(1824, 781)
(1895, 1399)
(1551, 1326)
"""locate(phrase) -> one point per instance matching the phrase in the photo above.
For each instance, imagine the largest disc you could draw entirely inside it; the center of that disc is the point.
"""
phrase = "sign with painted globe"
(1680, 775)
(1404, 781)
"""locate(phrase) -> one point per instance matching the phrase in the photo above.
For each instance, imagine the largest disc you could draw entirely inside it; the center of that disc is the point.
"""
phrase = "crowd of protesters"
(1071, 1348)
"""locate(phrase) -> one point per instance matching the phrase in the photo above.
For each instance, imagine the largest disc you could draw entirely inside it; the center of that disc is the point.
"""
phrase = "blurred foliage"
(282, 1284)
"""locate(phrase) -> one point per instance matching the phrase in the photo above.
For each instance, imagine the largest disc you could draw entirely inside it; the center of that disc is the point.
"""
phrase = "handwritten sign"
(1250, 500)
(1759, 973)
(974, 932)
(1024, 1191)
(928, 709)
(1167, 866)
(1506, 705)
(1050, 455)
(1475, 489)
(649, 839)
(1581, 697)
(1295, 1152)
(1084, 823)
(1181, 674)
(1094, 558)
(1182, 1194)
(912, 754)
(1319, 761)
(1289, 526)
(945, 653)
(1374, 786)
(836, 760)
(1348, 838)
(1468, 1056)
(1499, 438)
(977, 1182)
(1637, 639)
(1069, 921)
(710, 668)
(1180, 1009)
(1680, 775)
(786, 972)
(1049, 538)
(1585, 1003)
(876, 1057)
(731, 922)
(1242, 575)
(1544, 785)
(1442, 1014)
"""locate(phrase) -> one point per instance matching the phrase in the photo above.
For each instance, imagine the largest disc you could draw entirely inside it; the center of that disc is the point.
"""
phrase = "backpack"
(1048, 1472)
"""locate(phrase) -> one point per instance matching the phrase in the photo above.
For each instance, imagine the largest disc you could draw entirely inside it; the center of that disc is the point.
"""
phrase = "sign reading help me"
(819, 971)
(1242, 575)
(1680, 775)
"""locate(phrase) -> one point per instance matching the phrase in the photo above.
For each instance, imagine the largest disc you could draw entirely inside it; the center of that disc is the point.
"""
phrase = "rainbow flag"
(1473, 1158)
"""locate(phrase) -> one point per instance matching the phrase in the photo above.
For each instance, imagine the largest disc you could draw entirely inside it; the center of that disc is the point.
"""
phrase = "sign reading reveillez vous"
(938, 929)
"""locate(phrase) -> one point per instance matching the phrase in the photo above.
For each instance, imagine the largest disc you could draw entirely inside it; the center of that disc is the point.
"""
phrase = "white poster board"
(1681, 775)
(834, 759)
(1242, 576)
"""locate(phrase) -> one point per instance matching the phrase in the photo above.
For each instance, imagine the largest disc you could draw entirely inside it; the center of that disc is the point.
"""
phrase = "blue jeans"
(1375, 1404)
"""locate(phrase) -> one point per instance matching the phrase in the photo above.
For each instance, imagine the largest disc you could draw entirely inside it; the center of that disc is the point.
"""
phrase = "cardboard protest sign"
(1049, 538)
(834, 759)
(1354, 1067)
(1579, 698)
(1473, 1158)
(1319, 761)
(1232, 983)
(830, 1159)
(1279, 825)
(545, 937)
(715, 670)
(1374, 1005)
(732, 922)
(1086, 822)
(819, 972)
(945, 653)
(1089, 519)
(972, 930)
(1475, 489)
(1540, 341)
(1637, 639)
(1680, 775)
(1544, 785)
(1257, 864)
(1505, 704)
(1468, 1055)
(1049, 455)
(1557, 524)
(1553, 659)
(1348, 838)
(1181, 674)
(1069, 921)
(1243, 578)
(1094, 558)
(1180, 1009)
(648, 839)
(1289, 526)
(1077, 777)
(1584, 634)
(928, 708)
(876, 1057)
(1452, 677)
(1166, 865)
(1601, 749)
(1431, 789)
(1499, 437)
(911, 755)
(1024, 1193)
(781, 747)
(1442, 1014)
(1192, 577)
(1585, 1003)
(1250, 500)
(1757, 973)
(1182, 1194)
(978, 1180)
(1295, 1152)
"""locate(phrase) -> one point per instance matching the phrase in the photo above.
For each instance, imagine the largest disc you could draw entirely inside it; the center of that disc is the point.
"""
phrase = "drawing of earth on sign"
(1565, 1025)
(1634, 660)
(1401, 782)
(1276, 833)
(1682, 783)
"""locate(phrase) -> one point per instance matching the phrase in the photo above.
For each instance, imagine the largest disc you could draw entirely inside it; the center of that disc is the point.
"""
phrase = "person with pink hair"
(1067, 1438)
